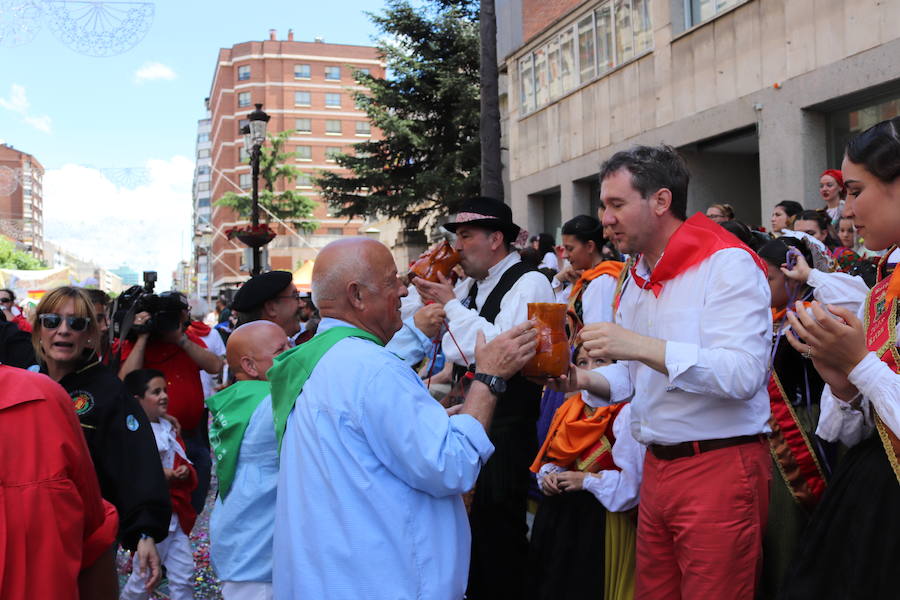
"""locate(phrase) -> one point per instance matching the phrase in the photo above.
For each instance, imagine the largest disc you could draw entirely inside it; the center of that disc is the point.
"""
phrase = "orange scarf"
(571, 432)
(893, 290)
(613, 268)
(778, 315)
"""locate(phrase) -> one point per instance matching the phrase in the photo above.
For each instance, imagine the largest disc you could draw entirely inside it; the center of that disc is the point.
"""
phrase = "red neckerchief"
(694, 241)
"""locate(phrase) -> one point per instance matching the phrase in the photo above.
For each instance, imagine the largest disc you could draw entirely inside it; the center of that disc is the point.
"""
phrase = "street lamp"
(254, 137)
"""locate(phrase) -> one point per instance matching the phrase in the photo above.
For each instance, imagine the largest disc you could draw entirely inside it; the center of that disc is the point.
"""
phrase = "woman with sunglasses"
(11, 312)
(118, 434)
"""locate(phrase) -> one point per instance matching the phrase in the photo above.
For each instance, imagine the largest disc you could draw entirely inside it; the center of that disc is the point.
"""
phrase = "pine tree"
(428, 159)
(274, 166)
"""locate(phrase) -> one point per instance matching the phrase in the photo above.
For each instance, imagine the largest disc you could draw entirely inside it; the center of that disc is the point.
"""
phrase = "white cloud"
(17, 102)
(153, 71)
(146, 228)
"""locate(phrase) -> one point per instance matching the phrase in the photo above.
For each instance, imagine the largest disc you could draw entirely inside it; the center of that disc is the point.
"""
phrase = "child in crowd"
(149, 388)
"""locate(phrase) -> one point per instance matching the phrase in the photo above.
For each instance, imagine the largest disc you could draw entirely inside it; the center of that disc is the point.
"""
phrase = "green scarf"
(231, 410)
(292, 368)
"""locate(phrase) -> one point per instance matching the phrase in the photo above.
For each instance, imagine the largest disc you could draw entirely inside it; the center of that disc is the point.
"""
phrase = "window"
(333, 73)
(243, 155)
(701, 10)
(203, 170)
(335, 231)
(302, 99)
(363, 128)
(243, 72)
(331, 152)
(203, 203)
(303, 125)
(304, 152)
(301, 71)
(365, 71)
(333, 127)
(244, 181)
(333, 100)
(304, 180)
(244, 99)
(241, 124)
(203, 153)
(586, 52)
(203, 137)
(844, 124)
(615, 32)
(203, 186)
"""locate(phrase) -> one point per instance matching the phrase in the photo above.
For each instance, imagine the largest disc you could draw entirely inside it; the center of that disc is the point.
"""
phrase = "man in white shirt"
(492, 299)
(692, 338)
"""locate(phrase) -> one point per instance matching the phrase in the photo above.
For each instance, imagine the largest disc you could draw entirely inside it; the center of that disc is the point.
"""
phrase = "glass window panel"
(643, 28)
(526, 85)
(567, 60)
(244, 73)
(605, 51)
(332, 126)
(302, 98)
(303, 125)
(363, 128)
(541, 87)
(331, 152)
(301, 71)
(304, 152)
(624, 38)
(244, 99)
(332, 73)
(332, 99)
(553, 75)
(586, 48)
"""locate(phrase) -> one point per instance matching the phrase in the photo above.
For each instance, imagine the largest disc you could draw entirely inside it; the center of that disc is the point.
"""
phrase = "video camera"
(165, 310)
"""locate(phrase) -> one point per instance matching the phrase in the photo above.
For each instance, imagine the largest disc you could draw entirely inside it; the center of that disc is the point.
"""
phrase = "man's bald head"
(252, 348)
(355, 280)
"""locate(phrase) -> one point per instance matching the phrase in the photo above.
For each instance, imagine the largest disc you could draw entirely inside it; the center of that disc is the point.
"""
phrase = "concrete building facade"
(760, 96)
(21, 200)
(306, 87)
(200, 280)
(84, 271)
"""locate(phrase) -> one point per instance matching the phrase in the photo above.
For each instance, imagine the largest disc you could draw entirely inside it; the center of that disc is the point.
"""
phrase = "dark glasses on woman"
(53, 320)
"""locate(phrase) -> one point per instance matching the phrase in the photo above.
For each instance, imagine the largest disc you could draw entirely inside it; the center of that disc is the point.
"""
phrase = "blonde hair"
(51, 302)
(726, 209)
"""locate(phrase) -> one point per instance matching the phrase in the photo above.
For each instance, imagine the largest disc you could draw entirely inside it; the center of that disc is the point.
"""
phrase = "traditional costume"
(582, 542)
(53, 518)
(850, 549)
(802, 461)
(704, 492)
(242, 524)
(174, 551)
(372, 471)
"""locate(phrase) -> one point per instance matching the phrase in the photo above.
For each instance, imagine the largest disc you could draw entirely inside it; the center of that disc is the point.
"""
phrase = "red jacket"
(53, 521)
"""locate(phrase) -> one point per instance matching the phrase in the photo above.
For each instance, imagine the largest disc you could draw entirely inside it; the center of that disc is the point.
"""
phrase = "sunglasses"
(53, 320)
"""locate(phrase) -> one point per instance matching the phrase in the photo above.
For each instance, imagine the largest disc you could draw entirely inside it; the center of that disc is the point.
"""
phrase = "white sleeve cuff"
(680, 357)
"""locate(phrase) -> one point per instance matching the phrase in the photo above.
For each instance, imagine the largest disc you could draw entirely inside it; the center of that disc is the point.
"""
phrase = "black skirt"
(851, 548)
(566, 559)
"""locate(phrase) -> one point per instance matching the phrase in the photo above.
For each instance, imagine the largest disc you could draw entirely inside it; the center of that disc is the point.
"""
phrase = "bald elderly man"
(243, 440)
(369, 494)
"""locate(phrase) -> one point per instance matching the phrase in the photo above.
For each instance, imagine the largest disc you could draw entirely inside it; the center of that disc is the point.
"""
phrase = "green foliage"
(274, 165)
(10, 258)
(428, 160)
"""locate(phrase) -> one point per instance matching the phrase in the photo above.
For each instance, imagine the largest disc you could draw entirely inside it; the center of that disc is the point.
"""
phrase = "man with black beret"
(269, 297)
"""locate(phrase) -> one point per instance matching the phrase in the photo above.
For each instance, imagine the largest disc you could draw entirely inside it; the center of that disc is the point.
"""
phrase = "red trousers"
(700, 524)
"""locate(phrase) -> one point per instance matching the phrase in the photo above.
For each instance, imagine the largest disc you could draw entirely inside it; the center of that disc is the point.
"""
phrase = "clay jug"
(552, 356)
(440, 259)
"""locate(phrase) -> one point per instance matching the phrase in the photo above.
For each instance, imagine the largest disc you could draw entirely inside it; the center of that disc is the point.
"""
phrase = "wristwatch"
(496, 384)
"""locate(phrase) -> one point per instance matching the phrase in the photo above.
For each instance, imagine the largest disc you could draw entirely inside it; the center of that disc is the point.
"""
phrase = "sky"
(89, 119)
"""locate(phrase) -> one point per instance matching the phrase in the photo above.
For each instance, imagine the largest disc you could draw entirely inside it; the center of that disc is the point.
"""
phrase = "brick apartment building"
(306, 87)
(21, 200)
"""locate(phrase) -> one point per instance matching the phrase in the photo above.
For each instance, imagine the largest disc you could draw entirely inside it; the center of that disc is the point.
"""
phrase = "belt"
(685, 449)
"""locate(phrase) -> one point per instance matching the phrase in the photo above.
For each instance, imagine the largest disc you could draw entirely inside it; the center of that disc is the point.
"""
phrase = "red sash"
(881, 338)
(694, 241)
(791, 448)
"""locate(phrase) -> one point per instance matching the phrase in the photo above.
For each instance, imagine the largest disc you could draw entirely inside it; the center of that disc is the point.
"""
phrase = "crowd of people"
(727, 427)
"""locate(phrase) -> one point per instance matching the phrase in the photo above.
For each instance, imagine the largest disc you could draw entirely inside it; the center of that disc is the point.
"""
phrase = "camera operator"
(169, 347)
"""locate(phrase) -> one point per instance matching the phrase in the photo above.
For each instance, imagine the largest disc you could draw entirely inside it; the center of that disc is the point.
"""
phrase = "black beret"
(260, 288)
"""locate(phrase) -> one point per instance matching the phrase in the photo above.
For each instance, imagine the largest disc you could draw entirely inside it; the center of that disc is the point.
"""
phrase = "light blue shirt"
(241, 527)
(411, 344)
(369, 491)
